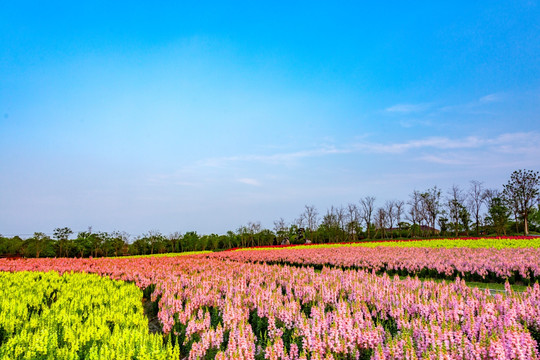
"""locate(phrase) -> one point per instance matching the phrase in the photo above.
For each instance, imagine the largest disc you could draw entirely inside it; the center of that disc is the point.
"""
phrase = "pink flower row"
(501, 263)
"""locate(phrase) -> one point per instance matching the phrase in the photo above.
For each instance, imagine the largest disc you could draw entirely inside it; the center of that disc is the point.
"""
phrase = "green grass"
(471, 284)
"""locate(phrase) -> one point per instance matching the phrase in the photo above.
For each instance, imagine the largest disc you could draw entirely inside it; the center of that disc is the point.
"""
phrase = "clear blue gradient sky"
(180, 117)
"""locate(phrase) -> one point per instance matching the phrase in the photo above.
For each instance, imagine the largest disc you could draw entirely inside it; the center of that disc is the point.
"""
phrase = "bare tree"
(367, 207)
(154, 237)
(300, 221)
(415, 212)
(281, 228)
(341, 216)
(430, 205)
(176, 241)
(490, 194)
(312, 218)
(243, 232)
(476, 200)
(400, 207)
(454, 203)
(389, 208)
(381, 219)
(253, 229)
(352, 221)
(331, 221)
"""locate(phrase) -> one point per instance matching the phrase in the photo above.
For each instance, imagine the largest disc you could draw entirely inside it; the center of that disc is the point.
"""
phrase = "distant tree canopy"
(477, 211)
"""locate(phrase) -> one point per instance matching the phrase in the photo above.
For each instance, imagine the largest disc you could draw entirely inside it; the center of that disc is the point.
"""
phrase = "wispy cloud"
(504, 142)
(490, 98)
(502, 151)
(407, 108)
(409, 123)
(278, 158)
(474, 106)
(432, 142)
(174, 179)
(477, 106)
(249, 181)
(441, 150)
(505, 150)
(447, 159)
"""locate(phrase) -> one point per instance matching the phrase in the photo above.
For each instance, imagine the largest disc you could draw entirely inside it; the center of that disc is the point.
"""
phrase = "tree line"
(459, 211)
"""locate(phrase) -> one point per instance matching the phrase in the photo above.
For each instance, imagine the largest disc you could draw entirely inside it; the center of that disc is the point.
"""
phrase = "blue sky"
(205, 116)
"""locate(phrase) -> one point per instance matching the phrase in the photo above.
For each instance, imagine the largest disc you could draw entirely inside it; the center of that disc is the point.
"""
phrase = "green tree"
(120, 242)
(62, 240)
(140, 246)
(534, 218)
(10, 246)
(83, 244)
(266, 237)
(38, 245)
(232, 240)
(464, 219)
(155, 240)
(191, 241)
(114, 243)
(212, 242)
(443, 223)
(522, 190)
(498, 215)
(331, 229)
(96, 241)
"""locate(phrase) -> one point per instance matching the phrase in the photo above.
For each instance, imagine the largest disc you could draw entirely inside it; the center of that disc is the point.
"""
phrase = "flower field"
(48, 316)
(237, 305)
(478, 264)
(491, 242)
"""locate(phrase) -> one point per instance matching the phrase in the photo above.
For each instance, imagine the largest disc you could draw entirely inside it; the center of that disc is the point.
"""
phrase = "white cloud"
(443, 150)
(490, 98)
(407, 108)
(446, 159)
(432, 142)
(409, 123)
(174, 179)
(477, 106)
(278, 158)
(249, 181)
